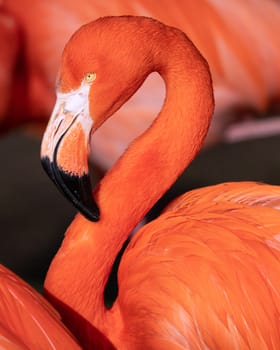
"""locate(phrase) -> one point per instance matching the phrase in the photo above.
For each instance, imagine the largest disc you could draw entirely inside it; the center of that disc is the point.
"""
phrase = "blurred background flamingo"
(241, 42)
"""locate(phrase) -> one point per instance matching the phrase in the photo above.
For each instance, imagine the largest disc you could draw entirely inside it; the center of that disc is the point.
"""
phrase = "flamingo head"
(102, 66)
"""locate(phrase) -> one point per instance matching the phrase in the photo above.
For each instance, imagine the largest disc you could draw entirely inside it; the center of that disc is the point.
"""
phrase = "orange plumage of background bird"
(205, 274)
(239, 39)
(28, 321)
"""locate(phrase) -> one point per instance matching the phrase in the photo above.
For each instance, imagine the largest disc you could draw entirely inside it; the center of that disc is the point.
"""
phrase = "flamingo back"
(205, 274)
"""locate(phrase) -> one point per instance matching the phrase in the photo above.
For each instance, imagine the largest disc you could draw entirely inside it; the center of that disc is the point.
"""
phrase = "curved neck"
(140, 177)
(154, 160)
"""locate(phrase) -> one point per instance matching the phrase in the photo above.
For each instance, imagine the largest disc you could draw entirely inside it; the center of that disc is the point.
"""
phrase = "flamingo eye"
(89, 77)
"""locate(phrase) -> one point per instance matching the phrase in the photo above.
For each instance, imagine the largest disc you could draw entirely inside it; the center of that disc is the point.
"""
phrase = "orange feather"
(205, 274)
(27, 320)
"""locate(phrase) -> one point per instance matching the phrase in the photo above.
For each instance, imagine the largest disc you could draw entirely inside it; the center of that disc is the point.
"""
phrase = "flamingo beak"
(65, 148)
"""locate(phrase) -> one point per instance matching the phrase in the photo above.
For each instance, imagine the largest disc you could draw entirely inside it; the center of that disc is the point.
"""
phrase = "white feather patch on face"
(76, 103)
(70, 107)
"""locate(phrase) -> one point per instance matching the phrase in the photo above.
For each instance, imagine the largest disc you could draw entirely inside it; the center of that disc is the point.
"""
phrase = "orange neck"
(79, 272)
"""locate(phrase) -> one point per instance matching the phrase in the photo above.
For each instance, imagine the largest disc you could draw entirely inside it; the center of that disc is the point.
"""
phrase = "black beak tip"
(76, 188)
(91, 213)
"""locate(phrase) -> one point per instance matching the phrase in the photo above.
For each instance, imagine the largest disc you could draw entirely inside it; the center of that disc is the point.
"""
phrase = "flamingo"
(205, 273)
(243, 78)
(28, 321)
(31, 43)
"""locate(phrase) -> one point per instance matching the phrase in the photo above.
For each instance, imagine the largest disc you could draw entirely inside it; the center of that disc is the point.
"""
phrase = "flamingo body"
(202, 275)
(215, 254)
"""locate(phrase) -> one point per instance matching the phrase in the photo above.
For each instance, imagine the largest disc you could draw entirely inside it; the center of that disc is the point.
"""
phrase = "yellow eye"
(90, 77)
